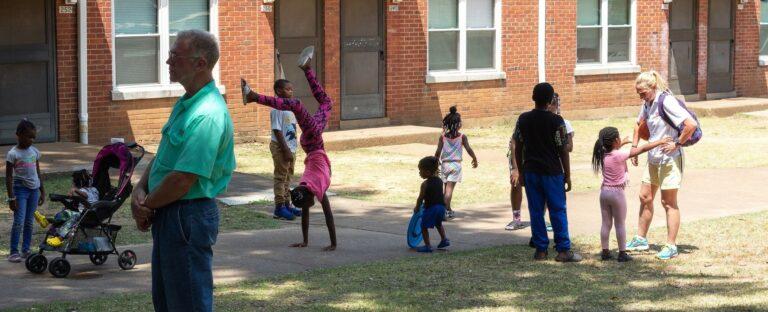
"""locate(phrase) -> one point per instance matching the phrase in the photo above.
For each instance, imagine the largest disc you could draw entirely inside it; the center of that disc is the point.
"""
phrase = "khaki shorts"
(665, 176)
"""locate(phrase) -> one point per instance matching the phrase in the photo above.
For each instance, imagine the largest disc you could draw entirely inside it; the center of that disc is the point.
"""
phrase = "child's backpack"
(697, 134)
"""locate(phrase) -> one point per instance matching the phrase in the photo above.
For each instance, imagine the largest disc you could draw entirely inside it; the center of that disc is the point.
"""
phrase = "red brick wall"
(411, 100)
(750, 78)
(244, 53)
(595, 91)
(247, 48)
(66, 73)
(701, 81)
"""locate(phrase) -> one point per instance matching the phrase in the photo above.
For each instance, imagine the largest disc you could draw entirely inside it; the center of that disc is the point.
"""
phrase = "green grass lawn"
(721, 268)
(233, 218)
(390, 175)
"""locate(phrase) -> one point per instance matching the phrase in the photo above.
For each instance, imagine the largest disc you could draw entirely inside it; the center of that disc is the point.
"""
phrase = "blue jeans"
(183, 235)
(549, 189)
(26, 204)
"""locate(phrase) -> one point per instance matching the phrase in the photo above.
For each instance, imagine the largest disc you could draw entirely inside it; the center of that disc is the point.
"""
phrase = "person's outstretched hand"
(474, 163)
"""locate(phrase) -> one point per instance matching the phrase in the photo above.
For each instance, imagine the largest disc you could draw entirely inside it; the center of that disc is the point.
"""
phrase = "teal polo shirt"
(198, 138)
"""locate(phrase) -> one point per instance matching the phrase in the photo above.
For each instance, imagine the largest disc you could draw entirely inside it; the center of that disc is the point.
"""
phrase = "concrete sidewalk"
(370, 232)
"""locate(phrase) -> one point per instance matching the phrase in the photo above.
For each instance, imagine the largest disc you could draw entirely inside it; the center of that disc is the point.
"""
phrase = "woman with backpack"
(661, 115)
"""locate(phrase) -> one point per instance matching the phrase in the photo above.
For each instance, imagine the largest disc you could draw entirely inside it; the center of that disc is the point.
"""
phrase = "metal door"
(682, 46)
(720, 48)
(298, 24)
(362, 59)
(27, 68)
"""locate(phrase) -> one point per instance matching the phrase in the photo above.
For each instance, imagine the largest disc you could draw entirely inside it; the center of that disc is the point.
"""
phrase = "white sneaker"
(514, 225)
(306, 56)
(245, 89)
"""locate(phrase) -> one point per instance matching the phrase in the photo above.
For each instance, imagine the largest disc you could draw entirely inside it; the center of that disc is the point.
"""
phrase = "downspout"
(542, 40)
(82, 70)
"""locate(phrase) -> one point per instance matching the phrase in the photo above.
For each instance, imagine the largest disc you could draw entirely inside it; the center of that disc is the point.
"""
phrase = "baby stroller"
(93, 233)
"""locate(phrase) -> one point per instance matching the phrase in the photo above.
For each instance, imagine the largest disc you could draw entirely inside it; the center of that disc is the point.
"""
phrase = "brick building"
(96, 69)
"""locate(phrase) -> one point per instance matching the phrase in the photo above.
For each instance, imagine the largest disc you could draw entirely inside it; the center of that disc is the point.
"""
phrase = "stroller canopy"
(119, 156)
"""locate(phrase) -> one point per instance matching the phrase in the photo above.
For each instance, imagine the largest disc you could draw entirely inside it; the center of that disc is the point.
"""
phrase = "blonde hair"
(651, 80)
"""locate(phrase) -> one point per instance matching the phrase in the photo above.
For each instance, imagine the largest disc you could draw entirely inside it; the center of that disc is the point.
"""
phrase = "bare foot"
(330, 248)
(299, 245)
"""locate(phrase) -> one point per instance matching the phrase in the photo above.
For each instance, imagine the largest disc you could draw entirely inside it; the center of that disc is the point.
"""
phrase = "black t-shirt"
(433, 192)
(542, 136)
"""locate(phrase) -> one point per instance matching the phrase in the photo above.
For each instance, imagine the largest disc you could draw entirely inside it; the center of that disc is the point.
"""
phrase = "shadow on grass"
(502, 278)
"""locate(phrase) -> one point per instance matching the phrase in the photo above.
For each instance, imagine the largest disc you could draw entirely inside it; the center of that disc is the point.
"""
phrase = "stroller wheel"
(59, 267)
(127, 259)
(36, 263)
(98, 259)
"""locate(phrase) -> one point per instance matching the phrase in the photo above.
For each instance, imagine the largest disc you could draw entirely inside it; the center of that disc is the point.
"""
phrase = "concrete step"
(728, 107)
(392, 135)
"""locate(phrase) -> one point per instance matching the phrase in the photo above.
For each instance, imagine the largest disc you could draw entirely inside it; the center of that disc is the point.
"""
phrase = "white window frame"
(763, 59)
(605, 67)
(165, 88)
(462, 73)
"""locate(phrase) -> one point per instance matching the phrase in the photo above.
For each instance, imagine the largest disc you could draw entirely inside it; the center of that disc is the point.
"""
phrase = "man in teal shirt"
(193, 164)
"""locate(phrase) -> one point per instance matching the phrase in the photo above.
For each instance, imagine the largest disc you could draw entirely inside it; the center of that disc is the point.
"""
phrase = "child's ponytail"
(603, 145)
(452, 122)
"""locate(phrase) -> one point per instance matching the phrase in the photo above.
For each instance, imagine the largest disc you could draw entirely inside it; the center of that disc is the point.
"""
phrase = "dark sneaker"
(623, 257)
(606, 255)
(444, 243)
(295, 211)
(15, 258)
(540, 255)
(283, 213)
(568, 256)
(25, 254)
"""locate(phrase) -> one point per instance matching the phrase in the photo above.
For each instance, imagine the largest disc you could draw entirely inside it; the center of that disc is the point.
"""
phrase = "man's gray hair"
(202, 43)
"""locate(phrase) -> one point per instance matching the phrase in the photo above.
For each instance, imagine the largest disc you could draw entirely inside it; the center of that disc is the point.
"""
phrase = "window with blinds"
(144, 32)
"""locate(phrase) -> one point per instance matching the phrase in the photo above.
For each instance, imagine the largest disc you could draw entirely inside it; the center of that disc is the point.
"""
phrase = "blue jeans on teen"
(549, 189)
(26, 204)
(183, 235)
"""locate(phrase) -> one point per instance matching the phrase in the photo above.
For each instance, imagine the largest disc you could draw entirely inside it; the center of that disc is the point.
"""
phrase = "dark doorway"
(720, 48)
(27, 68)
(298, 24)
(362, 59)
(682, 46)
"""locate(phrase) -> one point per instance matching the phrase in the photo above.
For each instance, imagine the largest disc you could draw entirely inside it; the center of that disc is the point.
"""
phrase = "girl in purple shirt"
(317, 170)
